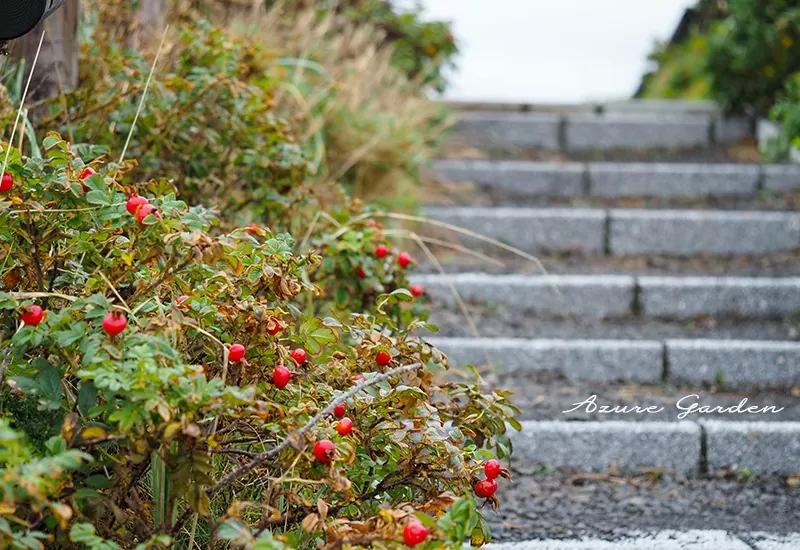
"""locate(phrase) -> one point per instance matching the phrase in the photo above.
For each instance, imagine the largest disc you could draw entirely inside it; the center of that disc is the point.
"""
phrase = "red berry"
(180, 303)
(236, 353)
(414, 533)
(359, 378)
(144, 211)
(32, 315)
(6, 182)
(281, 376)
(114, 323)
(383, 358)
(134, 203)
(416, 290)
(404, 259)
(338, 410)
(324, 449)
(345, 426)
(273, 326)
(299, 356)
(360, 273)
(492, 469)
(87, 173)
(382, 251)
(486, 488)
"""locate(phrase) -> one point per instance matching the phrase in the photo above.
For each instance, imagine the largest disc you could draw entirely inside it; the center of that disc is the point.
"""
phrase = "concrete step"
(591, 131)
(616, 296)
(735, 363)
(621, 180)
(628, 231)
(662, 540)
(545, 396)
(775, 264)
(685, 447)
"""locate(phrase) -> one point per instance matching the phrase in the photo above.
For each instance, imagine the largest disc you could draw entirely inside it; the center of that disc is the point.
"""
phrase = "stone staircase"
(671, 281)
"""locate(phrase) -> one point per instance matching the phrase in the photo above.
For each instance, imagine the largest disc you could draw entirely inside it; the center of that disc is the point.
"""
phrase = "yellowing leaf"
(93, 432)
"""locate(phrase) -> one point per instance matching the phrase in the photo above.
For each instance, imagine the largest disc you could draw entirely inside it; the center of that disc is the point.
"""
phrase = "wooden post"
(57, 68)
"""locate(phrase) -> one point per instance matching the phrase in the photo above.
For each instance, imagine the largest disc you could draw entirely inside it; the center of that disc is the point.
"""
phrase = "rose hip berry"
(323, 450)
(273, 326)
(338, 411)
(281, 376)
(415, 533)
(114, 323)
(360, 273)
(6, 182)
(345, 426)
(144, 211)
(404, 259)
(236, 353)
(299, 356)
(381, 251)
(32, 315)
(492, 469)
(486, 488)
(383, 358)
(181, 305)
(87, 173)
(134, 203)
(416, 291)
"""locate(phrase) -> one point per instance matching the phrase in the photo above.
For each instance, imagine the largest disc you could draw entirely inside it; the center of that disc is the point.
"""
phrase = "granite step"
(622, 232)
(597, 297)
(609, 180)
(695, 362)
(597, 131)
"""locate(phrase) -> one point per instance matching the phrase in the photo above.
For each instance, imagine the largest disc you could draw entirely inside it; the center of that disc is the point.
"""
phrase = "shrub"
(753, 52)
(159, 425)
(787, 113)
(420, 49)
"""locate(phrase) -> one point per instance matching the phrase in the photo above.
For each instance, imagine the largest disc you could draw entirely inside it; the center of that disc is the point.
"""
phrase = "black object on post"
(18, 17)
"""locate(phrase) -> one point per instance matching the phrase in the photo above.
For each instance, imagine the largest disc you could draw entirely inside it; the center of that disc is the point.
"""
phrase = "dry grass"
(370, 126)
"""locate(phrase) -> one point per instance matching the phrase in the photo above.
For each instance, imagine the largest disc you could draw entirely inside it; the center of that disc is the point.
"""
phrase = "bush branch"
(266, 456)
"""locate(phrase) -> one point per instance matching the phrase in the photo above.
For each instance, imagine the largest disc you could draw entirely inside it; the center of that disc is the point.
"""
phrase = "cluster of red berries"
(486, 488)
(113, 323)
(139, 207)
(403, 260)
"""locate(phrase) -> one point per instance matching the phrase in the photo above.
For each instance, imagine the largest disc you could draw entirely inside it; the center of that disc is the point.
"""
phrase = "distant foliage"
(752, 54)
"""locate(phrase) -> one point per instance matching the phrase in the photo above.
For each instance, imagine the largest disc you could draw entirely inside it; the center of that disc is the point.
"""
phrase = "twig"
(439, 242)
(21, 103)
(114, 290)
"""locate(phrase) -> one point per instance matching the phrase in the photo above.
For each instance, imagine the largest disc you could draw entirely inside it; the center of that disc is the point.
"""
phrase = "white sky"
(552, 51)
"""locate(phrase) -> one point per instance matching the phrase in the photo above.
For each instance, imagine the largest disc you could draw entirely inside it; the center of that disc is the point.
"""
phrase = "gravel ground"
(767, 265)
(545, 396)
(564, 505)
(469, 194)
(503, 324)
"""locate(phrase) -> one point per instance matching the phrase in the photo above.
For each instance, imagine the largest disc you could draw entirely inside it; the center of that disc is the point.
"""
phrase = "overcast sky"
(554, 50)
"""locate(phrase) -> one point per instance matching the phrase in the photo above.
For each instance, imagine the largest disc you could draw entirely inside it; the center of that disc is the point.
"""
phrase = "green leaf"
(87, 397)
(97, 197)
